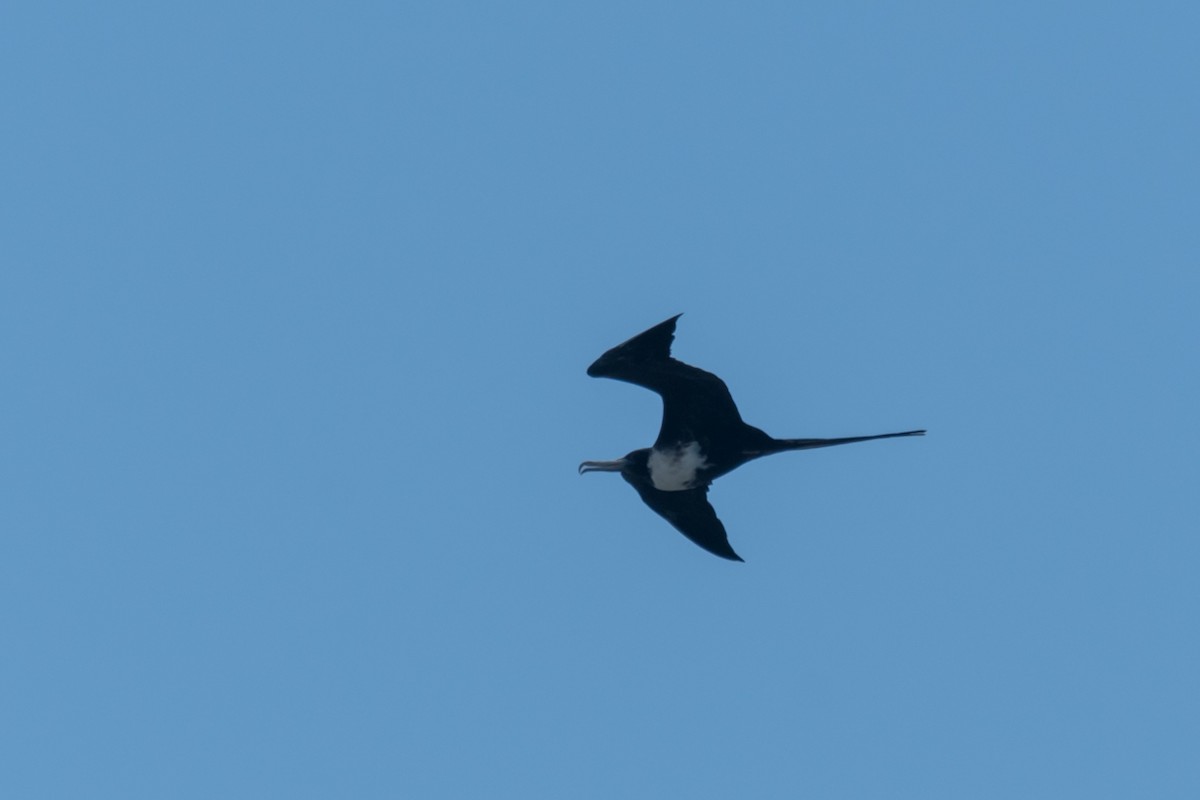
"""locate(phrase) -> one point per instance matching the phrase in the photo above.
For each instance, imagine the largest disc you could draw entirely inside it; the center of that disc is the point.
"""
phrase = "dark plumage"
(702, 436)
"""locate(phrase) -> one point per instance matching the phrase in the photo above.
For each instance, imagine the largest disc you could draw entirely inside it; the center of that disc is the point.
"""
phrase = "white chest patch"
(674, 470)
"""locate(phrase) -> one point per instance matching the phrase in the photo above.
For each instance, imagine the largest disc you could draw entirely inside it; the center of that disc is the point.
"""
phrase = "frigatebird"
(702, 436)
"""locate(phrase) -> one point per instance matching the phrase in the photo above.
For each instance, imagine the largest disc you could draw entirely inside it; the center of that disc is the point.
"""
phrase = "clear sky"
(296, 301)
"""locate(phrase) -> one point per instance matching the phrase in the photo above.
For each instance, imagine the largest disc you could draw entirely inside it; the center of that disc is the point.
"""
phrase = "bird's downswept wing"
(691, 514)
(696, 403)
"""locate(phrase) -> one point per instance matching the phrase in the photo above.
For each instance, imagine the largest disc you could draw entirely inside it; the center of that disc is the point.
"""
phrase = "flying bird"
(702, 436)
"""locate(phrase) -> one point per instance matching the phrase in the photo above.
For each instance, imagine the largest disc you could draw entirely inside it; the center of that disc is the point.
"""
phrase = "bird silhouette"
(702, 436)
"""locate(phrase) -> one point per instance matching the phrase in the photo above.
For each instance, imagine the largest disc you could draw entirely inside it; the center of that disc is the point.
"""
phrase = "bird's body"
(702, 436)
(681, 467)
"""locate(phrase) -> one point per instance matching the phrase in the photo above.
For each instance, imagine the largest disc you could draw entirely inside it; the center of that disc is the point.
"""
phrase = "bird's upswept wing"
(697, 405)
(691, 514)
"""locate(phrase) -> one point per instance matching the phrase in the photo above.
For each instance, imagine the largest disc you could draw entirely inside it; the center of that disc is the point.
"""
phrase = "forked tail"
(808, 444)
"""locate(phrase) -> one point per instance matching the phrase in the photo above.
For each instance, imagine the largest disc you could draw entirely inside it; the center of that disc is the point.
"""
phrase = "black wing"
(691, 514)
(696, 404)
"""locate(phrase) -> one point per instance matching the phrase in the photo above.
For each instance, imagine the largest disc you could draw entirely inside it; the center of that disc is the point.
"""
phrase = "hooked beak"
(602, 466)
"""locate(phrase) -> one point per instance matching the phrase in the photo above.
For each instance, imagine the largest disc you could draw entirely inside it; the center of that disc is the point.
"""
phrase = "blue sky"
(296, 303)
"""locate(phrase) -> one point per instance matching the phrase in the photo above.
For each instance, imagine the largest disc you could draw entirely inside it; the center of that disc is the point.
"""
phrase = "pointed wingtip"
(651, 346)
(726, 552)
(668, 323)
